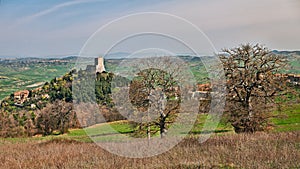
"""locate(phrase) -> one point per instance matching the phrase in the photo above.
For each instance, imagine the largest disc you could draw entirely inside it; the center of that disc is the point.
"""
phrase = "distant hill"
(293, 61)
(286, 52)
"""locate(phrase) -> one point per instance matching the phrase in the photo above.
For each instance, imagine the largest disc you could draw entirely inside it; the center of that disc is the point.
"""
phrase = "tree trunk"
(162, 126)
(149, 134)
(250, 109)
(163, 132)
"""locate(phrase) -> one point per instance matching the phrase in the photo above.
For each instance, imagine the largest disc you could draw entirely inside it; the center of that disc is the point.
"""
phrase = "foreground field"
(260, 150)
(277, 148)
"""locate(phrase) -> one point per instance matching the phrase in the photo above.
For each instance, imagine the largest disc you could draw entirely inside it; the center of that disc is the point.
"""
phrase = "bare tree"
(29, 126)
(55, 116)
(148, 92)
(252, 85)
(9, 126)
(156, 92)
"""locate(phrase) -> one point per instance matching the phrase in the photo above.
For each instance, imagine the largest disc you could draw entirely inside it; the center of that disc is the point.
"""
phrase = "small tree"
(55, 116)
(29, 127)
(252, 85)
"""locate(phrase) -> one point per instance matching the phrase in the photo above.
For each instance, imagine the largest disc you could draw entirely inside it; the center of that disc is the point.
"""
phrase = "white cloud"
(55, 8)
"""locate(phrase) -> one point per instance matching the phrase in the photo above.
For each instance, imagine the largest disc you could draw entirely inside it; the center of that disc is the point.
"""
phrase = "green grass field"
(288, 122)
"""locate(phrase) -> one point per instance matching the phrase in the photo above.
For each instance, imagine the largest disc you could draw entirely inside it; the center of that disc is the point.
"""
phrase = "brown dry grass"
(260, 150)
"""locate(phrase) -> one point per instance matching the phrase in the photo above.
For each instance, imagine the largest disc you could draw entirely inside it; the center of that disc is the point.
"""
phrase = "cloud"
(55, 8)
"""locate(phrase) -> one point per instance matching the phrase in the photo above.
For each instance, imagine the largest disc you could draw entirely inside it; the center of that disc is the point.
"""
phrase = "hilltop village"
(19, 97)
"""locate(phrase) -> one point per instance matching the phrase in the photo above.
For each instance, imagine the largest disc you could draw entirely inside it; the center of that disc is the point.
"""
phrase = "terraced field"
(18, 75)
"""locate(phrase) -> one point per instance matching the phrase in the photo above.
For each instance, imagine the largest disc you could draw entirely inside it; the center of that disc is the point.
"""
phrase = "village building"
(294, 79)
(45, 96)
(32, 106)
(204, 87)
(21, 96)
(291, 78)
(202, 92)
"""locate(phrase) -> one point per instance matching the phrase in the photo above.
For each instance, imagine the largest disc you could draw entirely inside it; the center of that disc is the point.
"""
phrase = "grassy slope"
(260, 150)
(18, 79)
(290, 122)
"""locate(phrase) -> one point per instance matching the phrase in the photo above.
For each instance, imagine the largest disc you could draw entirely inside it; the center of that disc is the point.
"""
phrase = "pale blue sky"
(61, 27)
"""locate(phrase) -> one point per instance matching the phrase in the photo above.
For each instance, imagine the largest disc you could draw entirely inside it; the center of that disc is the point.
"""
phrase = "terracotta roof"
(204, 87)
(25, 92)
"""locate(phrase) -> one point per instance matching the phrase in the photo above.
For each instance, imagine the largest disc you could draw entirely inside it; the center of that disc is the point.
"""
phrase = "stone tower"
(99, 63)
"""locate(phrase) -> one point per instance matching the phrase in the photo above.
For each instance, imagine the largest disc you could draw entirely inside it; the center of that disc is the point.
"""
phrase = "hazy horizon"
(117, 55)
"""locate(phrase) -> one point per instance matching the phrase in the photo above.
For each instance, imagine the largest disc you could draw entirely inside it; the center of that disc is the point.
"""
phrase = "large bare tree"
(148, 92)
(253, 84)
(155, 94)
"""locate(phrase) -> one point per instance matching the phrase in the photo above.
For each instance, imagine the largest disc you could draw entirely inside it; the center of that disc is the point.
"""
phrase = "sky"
(35, 28)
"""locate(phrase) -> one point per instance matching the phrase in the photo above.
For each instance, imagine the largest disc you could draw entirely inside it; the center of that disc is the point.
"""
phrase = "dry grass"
(260, 150)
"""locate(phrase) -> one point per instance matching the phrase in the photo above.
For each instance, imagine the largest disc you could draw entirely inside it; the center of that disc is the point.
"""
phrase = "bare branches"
(251, 83)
